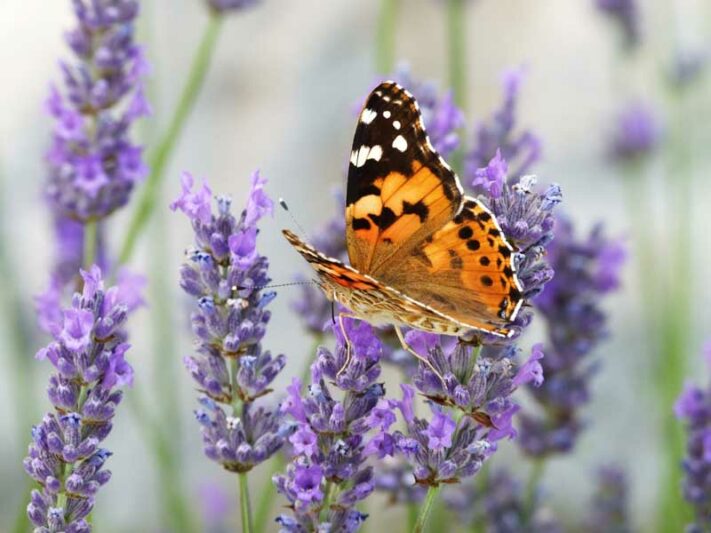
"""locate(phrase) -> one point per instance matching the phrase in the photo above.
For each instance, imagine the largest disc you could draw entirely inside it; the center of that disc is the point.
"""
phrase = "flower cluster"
(93, 165)
(694, 408)
(448, 448)
(585, 270)
(500, 133)
(225, 273)
(65, 456)
(637, 133)
(327, 476)
(500, 506)
(626, 14)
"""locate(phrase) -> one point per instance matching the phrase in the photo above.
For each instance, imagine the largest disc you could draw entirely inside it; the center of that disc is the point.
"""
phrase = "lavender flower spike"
(224, 273)
(65, 456)
(93, 163)
(626, 14)
(610, 502)
(638, 132)
(694, 408)
(521, 149)
(586, 270)
(328, 475)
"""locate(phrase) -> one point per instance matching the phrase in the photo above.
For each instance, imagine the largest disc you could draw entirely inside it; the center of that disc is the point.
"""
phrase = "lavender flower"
(609, 504)
(93, 165)
(585, 270)
(625, 13)
(637, 133)
(225, 273)
(521, 148)
(694, 408)
(499, 506)
(65, 456)
(327, 476)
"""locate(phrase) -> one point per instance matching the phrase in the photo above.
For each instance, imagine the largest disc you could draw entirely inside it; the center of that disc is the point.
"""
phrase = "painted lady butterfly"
(423, 254)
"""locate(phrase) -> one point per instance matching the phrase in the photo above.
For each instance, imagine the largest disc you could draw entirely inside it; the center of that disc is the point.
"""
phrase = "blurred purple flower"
(93, 165)
(608, 511)
(225, 274)
(64, 457)
(586, 270)
(693, 407)
(689, 65)
(520, 149)
(637, 133)
(215, 505)
(330, 443)
(626, 14)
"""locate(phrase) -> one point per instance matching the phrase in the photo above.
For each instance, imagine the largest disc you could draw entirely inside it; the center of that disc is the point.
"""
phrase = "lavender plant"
(327, 476)
(586, 270)
(608, 510)
(625, 14)
(225, 274)
(693, 407)
(65, 456)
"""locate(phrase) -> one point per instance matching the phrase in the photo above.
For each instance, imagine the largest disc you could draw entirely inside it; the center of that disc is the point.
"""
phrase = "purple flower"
(93, 165)
(225, 274)
(625, 13)
(693, 407)
(521, 149)
(330, 444)
(586, 269)
(440, 431)
(531, 371)
(65, 457)
(490, 180)
(637, 133)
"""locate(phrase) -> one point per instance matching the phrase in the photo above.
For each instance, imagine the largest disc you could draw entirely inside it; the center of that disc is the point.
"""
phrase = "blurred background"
(280, 96)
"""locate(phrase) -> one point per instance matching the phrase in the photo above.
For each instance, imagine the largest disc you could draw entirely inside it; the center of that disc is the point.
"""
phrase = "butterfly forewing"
(399, 189)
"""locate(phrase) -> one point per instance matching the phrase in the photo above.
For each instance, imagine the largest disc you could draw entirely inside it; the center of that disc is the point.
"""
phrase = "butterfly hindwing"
(465, 270)
(399, 189)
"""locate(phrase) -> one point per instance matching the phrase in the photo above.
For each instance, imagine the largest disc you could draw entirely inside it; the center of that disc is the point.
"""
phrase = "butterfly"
(422, 253)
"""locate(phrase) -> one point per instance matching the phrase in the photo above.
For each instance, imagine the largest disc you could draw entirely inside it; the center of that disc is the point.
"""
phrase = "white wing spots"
(368, 115)
(396, 124)
(400, 143)
(376, 152)
(385, 98)
(386, 114)
(360, 156)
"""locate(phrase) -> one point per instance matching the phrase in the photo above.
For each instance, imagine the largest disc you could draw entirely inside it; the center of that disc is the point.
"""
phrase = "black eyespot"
(486, 281)
(465, 233)
(473, 245)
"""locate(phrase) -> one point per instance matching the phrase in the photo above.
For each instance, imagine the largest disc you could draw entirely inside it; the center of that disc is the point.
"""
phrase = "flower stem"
(385, 37)
(159, 159)
(90, 242)
(457, 63)
(426, 508)
(244, 505)
(534, 480)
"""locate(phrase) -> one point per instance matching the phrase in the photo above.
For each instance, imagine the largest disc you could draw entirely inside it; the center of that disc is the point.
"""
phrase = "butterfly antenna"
(236, 288)
(285, 207)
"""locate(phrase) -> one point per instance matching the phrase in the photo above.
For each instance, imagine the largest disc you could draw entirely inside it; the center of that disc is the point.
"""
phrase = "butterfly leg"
(349, 355)
(419, 357)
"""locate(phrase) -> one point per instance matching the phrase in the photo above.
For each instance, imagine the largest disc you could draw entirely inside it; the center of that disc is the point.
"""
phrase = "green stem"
(412, 511)
(457, 63)
(457, 46)
(196, 77)
(91, 234)
(426, 508)
(244, 505)
(534, 480)
(385, 37)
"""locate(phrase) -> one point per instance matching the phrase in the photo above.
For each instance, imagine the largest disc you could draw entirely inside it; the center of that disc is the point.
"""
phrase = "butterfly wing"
(400, 190)
(464, 270)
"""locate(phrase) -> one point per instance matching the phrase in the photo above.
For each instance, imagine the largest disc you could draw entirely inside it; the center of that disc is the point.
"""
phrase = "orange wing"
(465, 270)
(400, 191)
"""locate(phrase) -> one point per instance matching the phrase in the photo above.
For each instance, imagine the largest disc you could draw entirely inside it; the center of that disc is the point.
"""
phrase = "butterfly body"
(422, 253)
